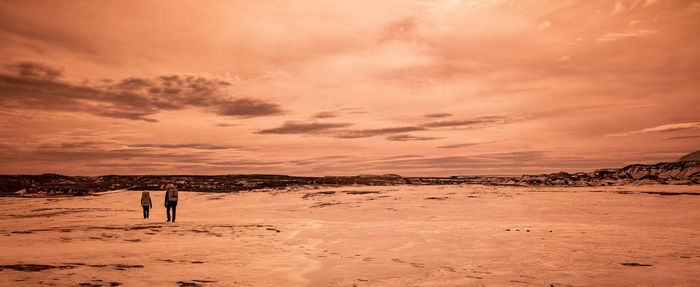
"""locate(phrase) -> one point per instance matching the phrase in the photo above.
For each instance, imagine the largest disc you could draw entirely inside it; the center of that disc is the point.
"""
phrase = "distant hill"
(693, 156)
(684, 171)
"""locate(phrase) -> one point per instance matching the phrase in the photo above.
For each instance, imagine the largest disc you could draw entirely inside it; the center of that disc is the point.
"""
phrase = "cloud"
(189, 146)
(335, 129)
(351, 134)
(235, 163)
(34, 70)
(337, 112)
(661, 128)
(458, 145)
(619, 36)
(292, 127)
(83, 144)
(438, 115)
(35, 86)
(682, 137)
(650, 2)
(476, 122)
(619, 8)
(544, 25)
(248, 108)
(402, 156)
(225, 125)
(325, 114)
(405, 137)
(126, 165)
(20, 28)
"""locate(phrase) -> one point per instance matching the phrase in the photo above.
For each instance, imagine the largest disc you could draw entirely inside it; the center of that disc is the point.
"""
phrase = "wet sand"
(359, 236)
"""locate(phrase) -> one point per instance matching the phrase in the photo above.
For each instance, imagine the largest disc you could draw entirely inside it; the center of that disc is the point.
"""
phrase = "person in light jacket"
(146, 203)
(170, 200)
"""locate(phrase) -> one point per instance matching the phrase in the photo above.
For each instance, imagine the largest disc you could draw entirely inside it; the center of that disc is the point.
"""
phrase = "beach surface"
(469, 235)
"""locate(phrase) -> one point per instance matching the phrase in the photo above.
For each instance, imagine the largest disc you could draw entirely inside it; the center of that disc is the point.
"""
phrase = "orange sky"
(348, 87)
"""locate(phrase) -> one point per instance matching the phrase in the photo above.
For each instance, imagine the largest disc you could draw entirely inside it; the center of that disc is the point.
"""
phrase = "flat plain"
(470, 235)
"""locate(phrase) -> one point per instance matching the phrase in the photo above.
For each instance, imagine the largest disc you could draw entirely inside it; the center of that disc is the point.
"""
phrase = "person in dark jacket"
(170, 200)
(146, 203)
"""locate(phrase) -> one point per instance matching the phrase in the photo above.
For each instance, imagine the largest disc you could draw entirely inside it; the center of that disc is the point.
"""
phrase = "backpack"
(145, 199)
(172, 194)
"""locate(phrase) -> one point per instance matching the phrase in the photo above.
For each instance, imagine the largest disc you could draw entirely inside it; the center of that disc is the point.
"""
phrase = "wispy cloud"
(682, 137)
(352, 134)
(34, 70)
(476, 122)
(325, 114)
(438, 115)
(337, 129)
(661, 128)
(337, 112)
(619, 36)
(292, 127)
(186, 146)
(618, 9)
(459, 145)
(406, 137)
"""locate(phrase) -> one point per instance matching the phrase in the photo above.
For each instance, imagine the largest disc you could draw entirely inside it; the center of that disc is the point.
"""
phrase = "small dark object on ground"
(634, 264)
(671, 193)
(436, 198)
(317, 193)
(360, 192)
(124, 266)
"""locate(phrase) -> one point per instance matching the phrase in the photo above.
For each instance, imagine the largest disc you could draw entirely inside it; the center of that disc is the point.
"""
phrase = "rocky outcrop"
(685, 172)
(694, 156)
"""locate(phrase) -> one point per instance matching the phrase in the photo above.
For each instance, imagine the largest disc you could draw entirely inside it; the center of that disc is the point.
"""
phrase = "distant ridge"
(684, 171)
(693, 156)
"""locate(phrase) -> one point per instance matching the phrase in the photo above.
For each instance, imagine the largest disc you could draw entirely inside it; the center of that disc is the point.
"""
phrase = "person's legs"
(174, 205)
(145, 211)
(167, 211)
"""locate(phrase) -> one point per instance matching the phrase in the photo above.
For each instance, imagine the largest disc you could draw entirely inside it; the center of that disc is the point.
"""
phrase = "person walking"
(146, 203)
(170, 200)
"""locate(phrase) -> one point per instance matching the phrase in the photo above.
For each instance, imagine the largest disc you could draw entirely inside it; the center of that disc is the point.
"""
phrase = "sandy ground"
(359, 236)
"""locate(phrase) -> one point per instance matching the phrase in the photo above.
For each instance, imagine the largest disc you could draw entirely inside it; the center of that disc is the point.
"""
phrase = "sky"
(416, 88)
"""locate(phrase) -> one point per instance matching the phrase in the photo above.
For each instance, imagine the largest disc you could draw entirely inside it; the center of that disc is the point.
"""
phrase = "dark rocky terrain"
(694, 156)
(685, 171)
(56, 184)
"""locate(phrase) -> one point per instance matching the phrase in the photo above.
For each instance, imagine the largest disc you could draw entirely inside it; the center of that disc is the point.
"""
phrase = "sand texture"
(470, 235)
